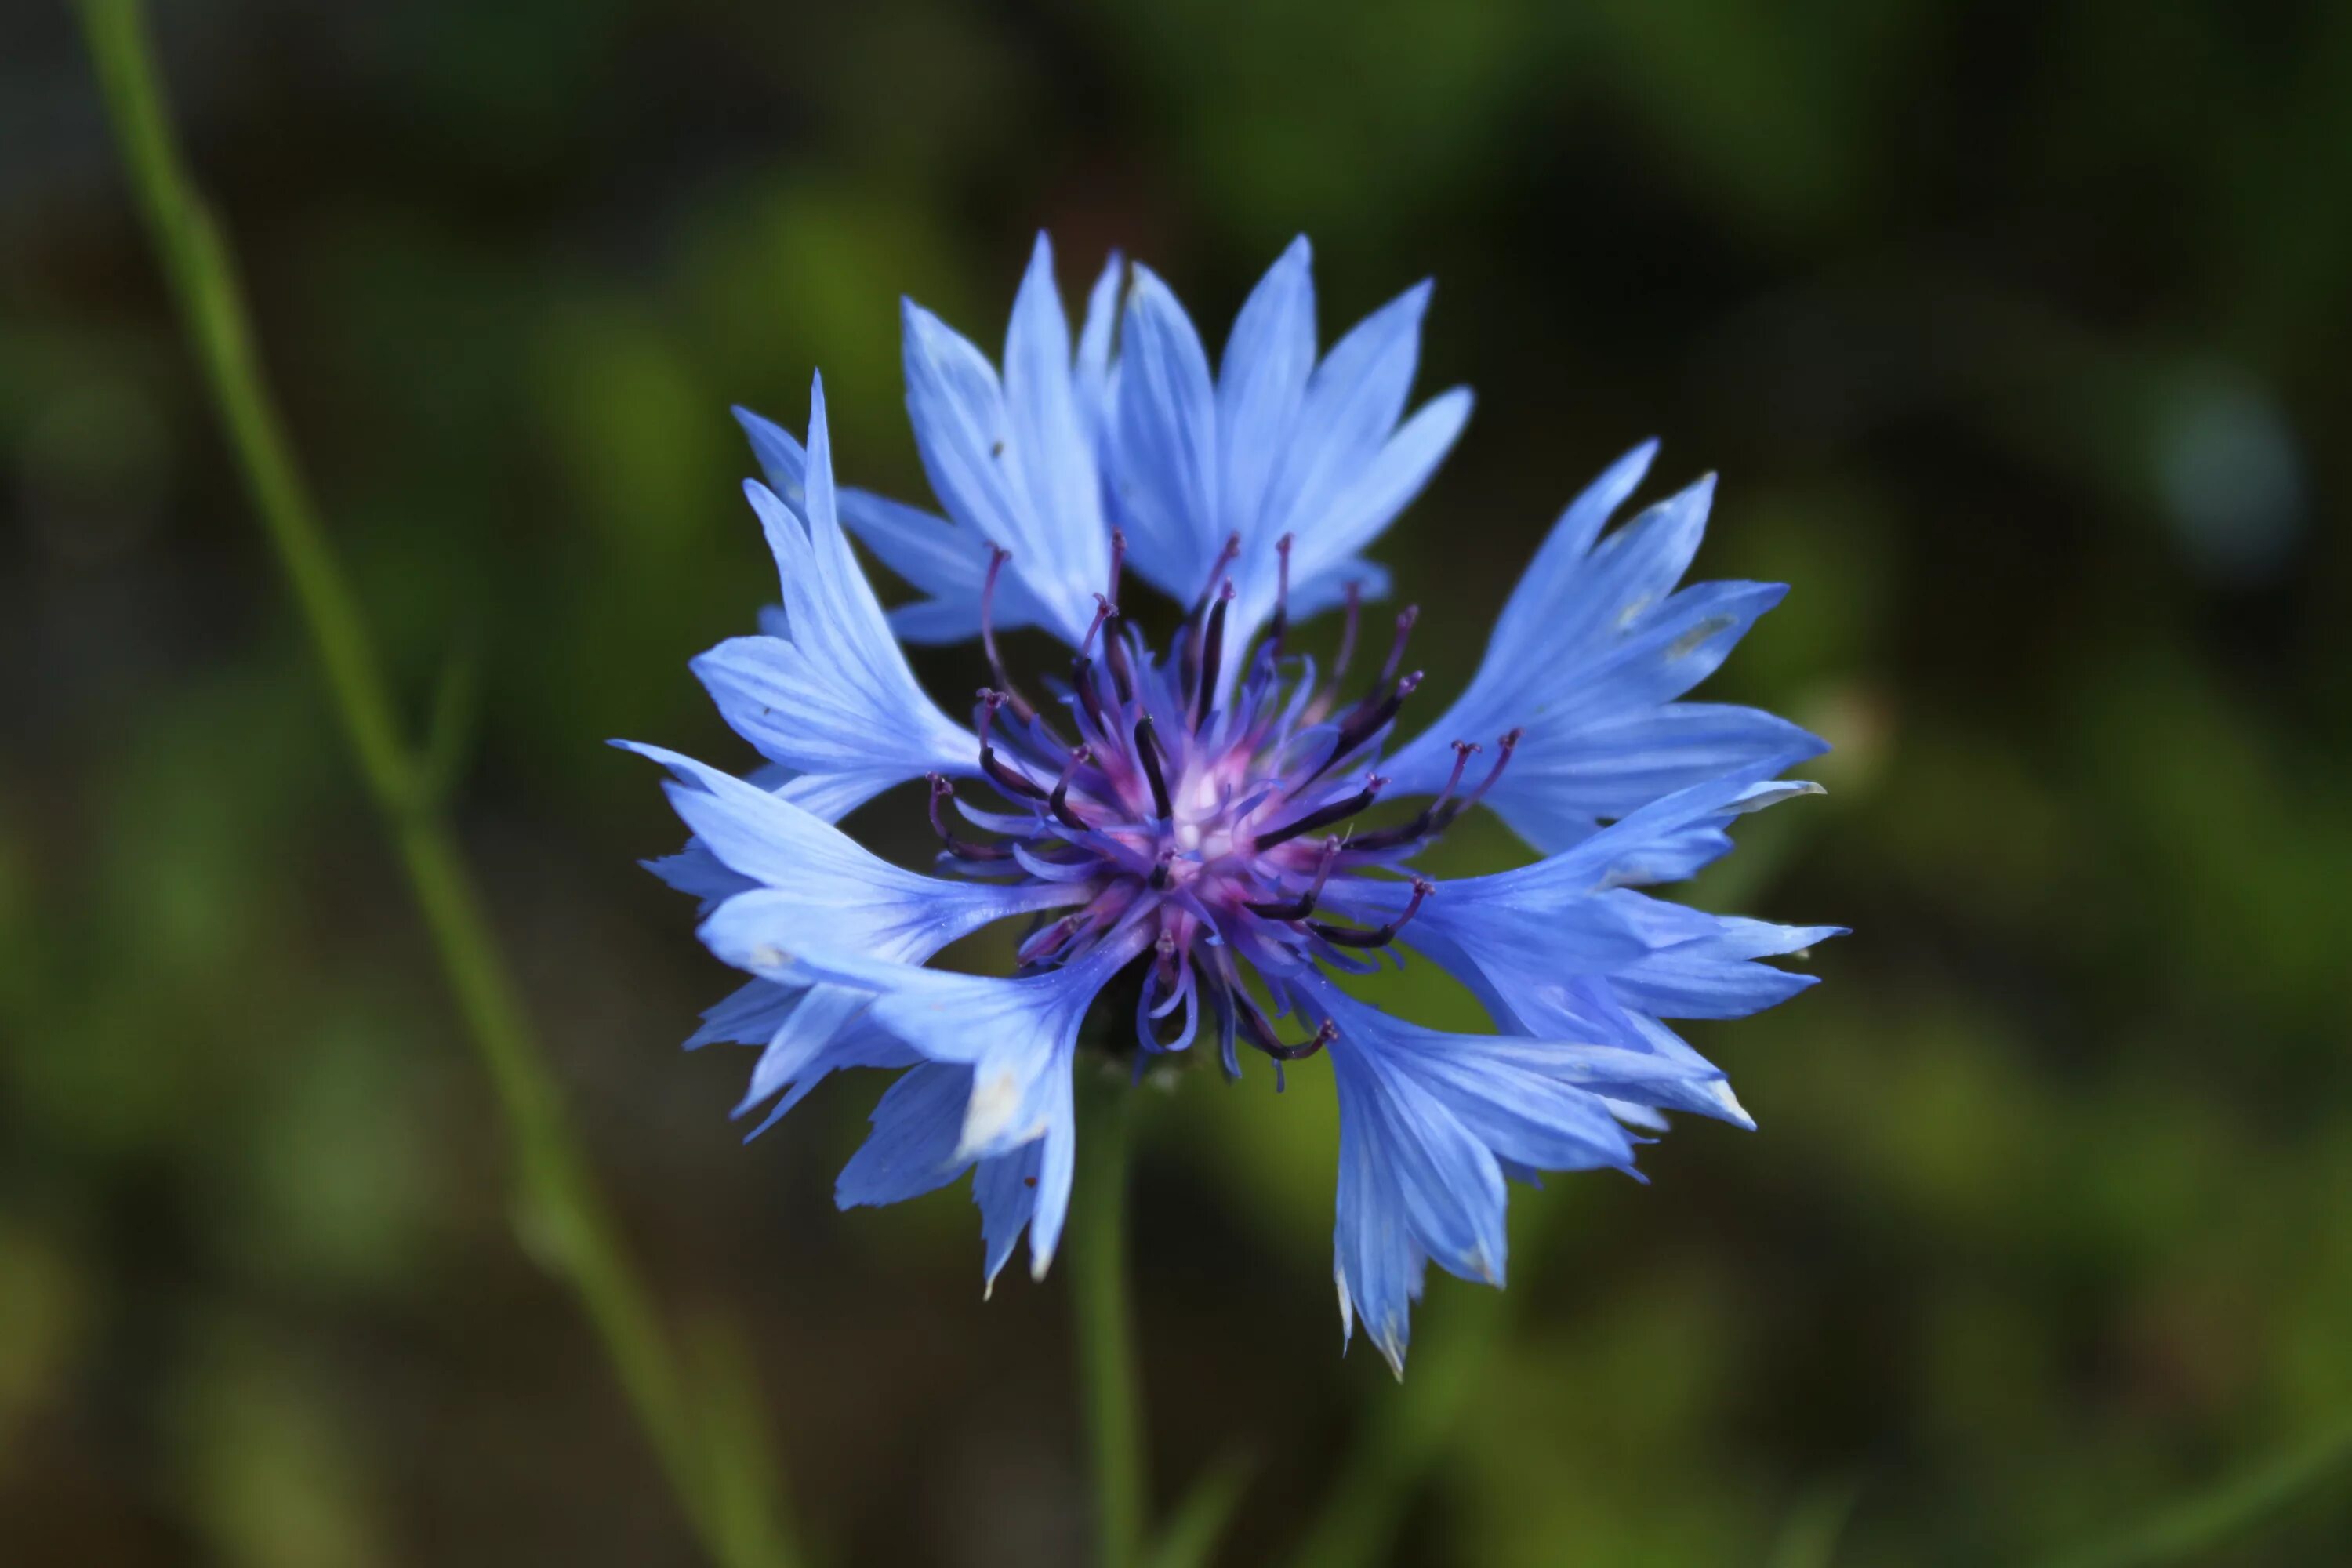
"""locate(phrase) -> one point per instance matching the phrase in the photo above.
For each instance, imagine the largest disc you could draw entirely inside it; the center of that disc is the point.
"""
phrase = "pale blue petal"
(1359, 512)
(967, 435)
(1353, 401)
(1165, 438)
(834, 695)
(751, 1014)
(1064, 549)
(1586, 660)
(1005, 1188)
(695, 870)
(1091, 375)
(1261, 383)
(946, 562)
(811, 876)
(912, 1149)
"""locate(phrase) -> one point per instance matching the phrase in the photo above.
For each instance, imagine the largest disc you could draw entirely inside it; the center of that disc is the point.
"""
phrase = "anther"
(1365, 721)
(1503, 750)
(1337, 811)
(1329, 694)
(997, 558)
(1404, 621)
(1225, 559)
(1082, 681)
(1104, 610)
(1433, 815)
(1347, 936)
(1299, 908)
(1212, 654)
(1262, 1034)
(943, 789)
(1122, 674)
(990, 763)
(1163, 872)
(1147, 752)
(1045, 943)
(1058, 802)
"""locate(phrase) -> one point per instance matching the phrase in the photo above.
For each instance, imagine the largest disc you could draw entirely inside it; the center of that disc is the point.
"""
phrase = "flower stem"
(561, 1216)
(1108, 1379)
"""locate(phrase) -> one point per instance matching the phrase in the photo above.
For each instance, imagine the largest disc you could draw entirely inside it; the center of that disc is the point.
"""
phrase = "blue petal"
(1353, 401)
(1703, 965)
(980, 454)
(1164, 422)
(809, 875)
(1064, 549)
(1586, 660)
(948, 563)
(1261, 383)
(751, 1014)
(836, 695)
(1019, 1039)
(1091, 376)
(912, 1149)
(1428, 1122)
(1362, 509)
(695, 870)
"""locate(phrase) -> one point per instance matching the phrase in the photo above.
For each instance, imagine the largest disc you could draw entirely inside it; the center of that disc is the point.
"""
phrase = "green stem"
(1108, 1379)
(562, 1215)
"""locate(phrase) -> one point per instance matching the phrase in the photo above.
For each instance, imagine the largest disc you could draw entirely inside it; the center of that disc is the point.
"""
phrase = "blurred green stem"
(1108, 1380)
(562, 1216)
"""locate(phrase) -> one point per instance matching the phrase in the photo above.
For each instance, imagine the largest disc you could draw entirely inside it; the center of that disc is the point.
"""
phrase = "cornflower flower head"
(1186, 819)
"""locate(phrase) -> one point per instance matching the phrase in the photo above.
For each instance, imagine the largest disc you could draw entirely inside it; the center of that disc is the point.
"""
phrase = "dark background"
(2019, 334)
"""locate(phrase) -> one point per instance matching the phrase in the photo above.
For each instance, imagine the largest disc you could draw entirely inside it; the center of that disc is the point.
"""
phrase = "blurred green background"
(2018, 333)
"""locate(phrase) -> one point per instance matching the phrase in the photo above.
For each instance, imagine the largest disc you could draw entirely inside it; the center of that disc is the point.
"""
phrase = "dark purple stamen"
(1429, 816)
(990, 763)
(1122, 673)
(1368, 719)
(943, 790)
(1163, 872)
(1299, 908)
(997, 558)
(1503, 748)
(1262, 1035)
(1350, 936)
(1147, 752)
(1226, 558)
(1404, 620)
(1082, 681)
(1212, 653)
(1045, 943)
(1104, 610)
(1337, 811)
(1058, 802)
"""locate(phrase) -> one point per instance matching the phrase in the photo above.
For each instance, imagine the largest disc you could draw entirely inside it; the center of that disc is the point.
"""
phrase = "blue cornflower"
(1185, 820)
